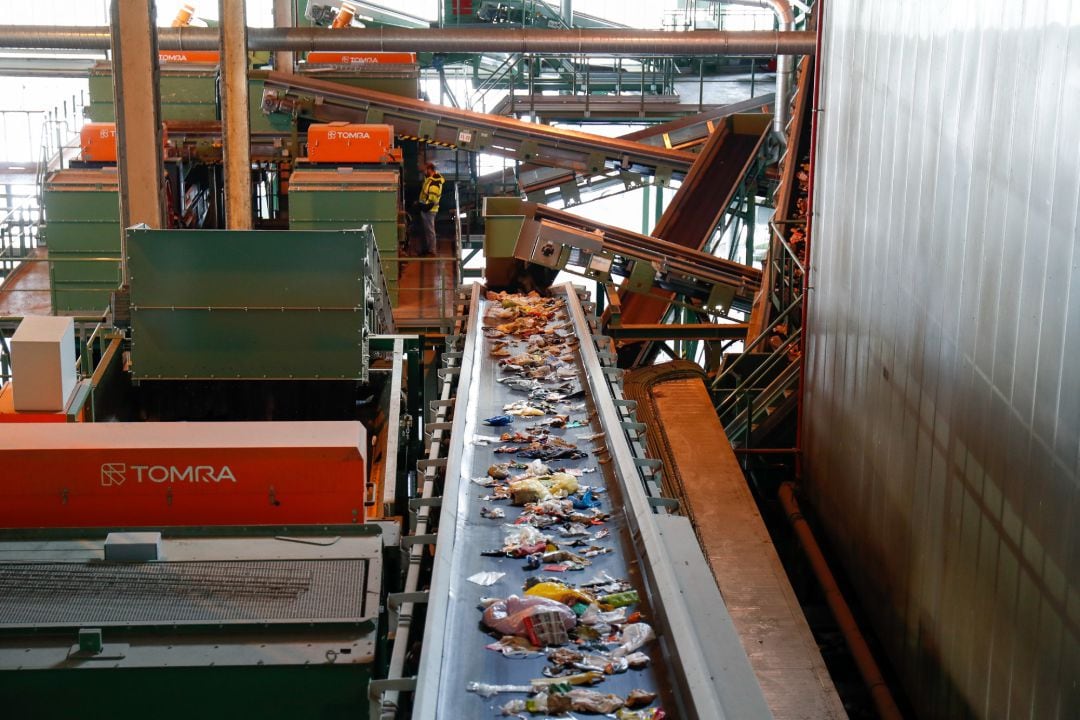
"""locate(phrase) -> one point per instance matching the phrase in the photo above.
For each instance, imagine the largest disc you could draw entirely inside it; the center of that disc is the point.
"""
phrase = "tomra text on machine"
(183, 474)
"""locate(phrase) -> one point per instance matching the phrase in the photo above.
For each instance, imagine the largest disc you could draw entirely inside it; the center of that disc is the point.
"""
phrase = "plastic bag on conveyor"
(509, 616)
(633, 637)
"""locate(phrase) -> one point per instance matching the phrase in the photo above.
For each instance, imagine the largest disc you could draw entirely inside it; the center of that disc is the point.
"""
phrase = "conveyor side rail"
(686, 134)
(466, 130)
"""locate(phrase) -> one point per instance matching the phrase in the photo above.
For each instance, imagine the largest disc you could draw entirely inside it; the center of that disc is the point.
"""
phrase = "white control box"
(43, 363)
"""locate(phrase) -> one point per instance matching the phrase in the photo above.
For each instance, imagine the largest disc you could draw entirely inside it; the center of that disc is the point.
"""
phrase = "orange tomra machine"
(182, 474)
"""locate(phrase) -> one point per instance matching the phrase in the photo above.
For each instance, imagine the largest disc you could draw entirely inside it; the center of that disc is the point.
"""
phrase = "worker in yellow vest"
(430, 194)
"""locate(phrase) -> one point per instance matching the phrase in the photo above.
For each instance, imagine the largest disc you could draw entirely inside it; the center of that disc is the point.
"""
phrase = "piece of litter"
(487, 690)
(486, 578)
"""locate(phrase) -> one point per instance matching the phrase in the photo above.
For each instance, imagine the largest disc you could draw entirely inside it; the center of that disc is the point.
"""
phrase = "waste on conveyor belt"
(586, 630)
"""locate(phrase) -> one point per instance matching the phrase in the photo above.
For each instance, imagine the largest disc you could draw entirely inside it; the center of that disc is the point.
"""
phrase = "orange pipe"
(860, 651)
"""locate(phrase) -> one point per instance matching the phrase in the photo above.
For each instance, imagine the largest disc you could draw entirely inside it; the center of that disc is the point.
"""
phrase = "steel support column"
(236, 125)
(138, 124)
(284, 17)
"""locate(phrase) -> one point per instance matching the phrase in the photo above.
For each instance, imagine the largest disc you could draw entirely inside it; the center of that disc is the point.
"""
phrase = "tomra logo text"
(347, 135)
(118, 473)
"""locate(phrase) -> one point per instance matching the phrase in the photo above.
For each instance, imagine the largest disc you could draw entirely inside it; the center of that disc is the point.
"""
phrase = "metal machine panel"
(249, 305)
(351, 143)
(942, 410)
(186, 93)
(329, 199)
(182, 474)
(299, 609)
(241, 344)
(82, 213)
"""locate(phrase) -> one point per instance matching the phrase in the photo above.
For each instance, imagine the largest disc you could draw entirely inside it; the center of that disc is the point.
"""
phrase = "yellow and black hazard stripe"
(428, 141)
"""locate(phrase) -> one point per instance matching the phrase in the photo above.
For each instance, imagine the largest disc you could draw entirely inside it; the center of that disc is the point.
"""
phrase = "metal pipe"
(860, 651)
(449, 40)
(784, 62)
(566, 10)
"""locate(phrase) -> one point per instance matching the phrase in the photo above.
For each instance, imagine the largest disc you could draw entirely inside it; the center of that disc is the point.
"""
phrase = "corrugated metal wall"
(943, 405)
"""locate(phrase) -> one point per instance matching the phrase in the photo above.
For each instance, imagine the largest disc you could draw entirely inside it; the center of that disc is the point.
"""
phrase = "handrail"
(504, 68)
(754, 343)
(785, 244)
(759, 372)
(762, 398)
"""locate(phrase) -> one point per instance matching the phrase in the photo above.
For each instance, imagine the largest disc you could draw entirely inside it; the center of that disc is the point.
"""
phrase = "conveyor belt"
(670, 267)
(428, 122)
(697, 665)
(697, 208)
(543, 184)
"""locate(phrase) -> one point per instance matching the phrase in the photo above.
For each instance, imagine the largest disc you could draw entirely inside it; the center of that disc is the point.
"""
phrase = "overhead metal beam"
(138, 123)
(634, 43)
(236, 142)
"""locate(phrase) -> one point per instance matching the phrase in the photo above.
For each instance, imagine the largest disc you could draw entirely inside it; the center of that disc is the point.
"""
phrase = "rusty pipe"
(450, 40)
(860, 651)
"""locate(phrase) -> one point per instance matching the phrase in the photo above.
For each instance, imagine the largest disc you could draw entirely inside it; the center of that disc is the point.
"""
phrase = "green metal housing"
(262, 660)
(216, 304)
(323, 198)
(187, 93)
(190, 92)
(82, 215)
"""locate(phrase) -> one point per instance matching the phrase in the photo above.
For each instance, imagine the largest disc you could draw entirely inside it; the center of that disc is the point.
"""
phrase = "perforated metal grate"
(175, 593)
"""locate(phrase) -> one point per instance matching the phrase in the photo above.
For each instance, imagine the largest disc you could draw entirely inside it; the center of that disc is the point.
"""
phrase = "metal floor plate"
(182, 593)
